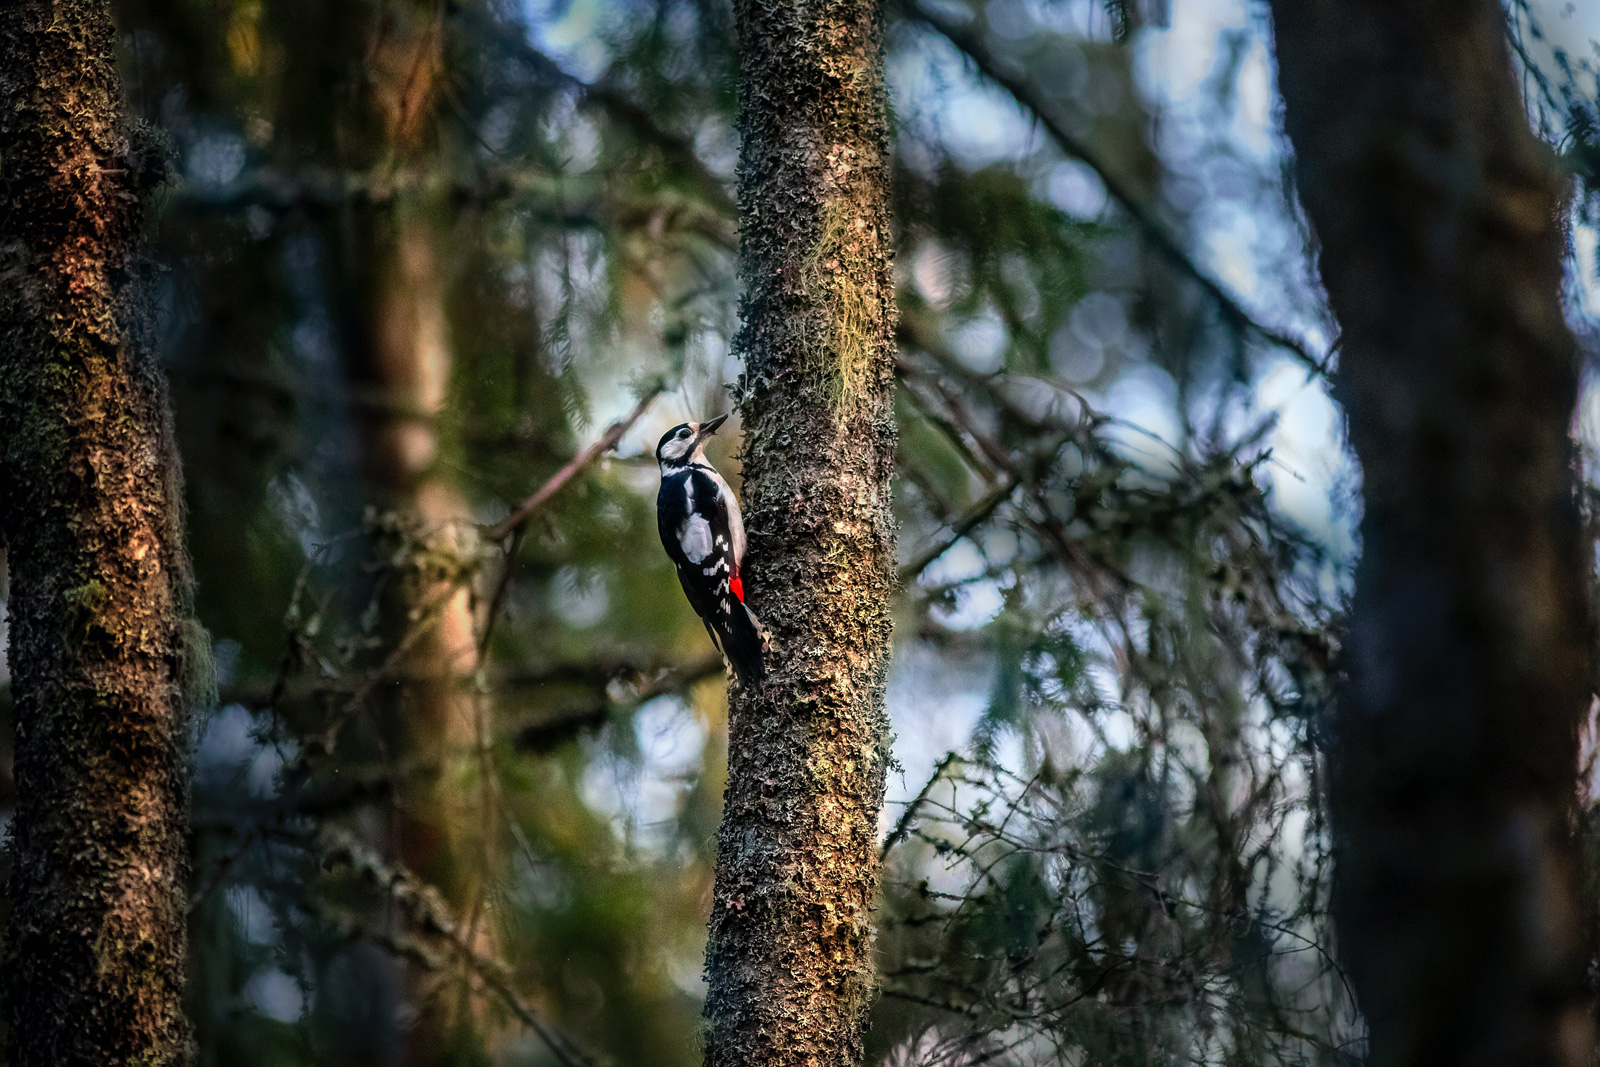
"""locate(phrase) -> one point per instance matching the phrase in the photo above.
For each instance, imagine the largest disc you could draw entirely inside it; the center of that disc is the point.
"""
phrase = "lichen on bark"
(789, 962)
(101, 651)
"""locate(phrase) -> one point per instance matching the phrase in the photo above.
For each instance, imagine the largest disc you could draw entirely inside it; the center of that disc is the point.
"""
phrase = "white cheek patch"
(696, 538)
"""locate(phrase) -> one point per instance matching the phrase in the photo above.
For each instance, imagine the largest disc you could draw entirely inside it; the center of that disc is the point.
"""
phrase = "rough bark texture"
(89, 506)
(789, 962)
(1439, 217)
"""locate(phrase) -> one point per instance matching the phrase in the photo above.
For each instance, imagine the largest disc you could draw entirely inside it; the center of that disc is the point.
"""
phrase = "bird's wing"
(728, 527)
(733, 519)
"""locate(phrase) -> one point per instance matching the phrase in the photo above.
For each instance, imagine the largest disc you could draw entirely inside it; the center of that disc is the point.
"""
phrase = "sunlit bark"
(790, 958)
(89, 510)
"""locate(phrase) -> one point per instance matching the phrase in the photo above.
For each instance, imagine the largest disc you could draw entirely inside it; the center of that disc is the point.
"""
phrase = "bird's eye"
(683, 433)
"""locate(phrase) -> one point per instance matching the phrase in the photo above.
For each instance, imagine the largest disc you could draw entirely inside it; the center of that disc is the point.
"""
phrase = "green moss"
(197, 669)
(83, 607)
(834, 274)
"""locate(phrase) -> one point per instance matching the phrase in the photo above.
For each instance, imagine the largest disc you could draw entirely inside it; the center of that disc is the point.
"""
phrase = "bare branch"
(975, 516)
(543, 735)
(902, 826)
(678, 150)
(429, 916)
(541, 496)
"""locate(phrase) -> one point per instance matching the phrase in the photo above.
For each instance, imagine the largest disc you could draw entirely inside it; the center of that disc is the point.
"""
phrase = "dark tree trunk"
(431, 719)
(1439, 217)
(89, 507)
(790, 957)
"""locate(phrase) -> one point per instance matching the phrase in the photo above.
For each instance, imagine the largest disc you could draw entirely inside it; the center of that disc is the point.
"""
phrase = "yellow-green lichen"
(836, 275)
(197, 669)
(83, 605)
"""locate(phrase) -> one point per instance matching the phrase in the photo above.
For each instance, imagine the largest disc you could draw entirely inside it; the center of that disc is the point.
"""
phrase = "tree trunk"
(89, 506)
(1439, 216)
(789, 962)
(391, 292)
(431, 717)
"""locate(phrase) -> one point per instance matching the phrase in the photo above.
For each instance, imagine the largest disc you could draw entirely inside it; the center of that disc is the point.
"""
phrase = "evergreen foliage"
(1123, 862)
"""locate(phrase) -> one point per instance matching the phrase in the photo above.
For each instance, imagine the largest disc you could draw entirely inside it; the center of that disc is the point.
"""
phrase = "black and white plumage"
(703, 532)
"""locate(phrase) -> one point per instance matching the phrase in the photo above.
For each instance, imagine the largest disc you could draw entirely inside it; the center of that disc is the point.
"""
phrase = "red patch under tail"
(737, 585)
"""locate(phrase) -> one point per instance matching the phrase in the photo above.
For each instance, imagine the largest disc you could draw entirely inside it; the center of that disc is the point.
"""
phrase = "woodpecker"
(698, 517)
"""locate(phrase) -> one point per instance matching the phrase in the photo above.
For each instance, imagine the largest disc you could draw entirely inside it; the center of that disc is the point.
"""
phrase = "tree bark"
(789, 962)
(90, 510)
(1454, 756)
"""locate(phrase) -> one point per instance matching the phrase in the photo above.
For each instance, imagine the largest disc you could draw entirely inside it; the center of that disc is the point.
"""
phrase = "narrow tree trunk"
(89, 507)
(431, 716)
(398, 359)
(790, 957)
(1439, 217)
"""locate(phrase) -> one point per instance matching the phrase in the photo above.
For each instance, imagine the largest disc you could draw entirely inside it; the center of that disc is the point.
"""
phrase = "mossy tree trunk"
(1454, 761)
(789, 962)
(89, 507)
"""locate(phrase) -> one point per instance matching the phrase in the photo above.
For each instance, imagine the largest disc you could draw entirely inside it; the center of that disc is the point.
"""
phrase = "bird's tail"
(744, 645)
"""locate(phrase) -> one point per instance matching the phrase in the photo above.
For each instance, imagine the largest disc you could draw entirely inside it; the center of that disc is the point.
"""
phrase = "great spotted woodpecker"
(703, 532)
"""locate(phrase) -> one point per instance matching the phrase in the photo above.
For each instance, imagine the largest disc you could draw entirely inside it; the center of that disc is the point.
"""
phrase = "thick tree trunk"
(1439, 217)
(89, 506)
(790, 957)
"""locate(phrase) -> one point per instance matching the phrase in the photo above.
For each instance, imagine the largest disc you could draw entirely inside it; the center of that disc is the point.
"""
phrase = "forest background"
(456, 791)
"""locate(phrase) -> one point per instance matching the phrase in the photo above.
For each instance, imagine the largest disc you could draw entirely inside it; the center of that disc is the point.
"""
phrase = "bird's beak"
(709, 428)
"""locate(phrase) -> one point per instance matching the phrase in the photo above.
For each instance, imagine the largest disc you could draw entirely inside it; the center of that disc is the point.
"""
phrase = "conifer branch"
(972, 45)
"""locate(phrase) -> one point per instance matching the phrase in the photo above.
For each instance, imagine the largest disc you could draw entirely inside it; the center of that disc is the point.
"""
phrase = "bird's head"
(682, 445)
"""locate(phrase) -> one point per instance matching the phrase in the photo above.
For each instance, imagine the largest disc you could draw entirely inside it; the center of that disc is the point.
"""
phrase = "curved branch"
(678, 150)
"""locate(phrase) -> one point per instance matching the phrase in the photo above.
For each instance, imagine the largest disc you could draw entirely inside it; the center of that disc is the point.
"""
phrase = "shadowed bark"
(89, 507)
(1454, 752)
(392, 267)
(431, 718)
(789, 962)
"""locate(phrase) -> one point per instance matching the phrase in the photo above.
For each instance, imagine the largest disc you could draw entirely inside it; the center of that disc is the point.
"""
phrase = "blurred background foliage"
(456, 801)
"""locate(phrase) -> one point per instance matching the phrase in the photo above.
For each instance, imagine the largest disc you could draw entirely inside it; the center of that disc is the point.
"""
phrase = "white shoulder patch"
(695, 538)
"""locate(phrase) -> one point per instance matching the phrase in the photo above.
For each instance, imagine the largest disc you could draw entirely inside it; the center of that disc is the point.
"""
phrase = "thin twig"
(539, 736)
(429, 915)
(541, 496)
(496, 601)
(974, 517)
(678, 149)
(902, 826)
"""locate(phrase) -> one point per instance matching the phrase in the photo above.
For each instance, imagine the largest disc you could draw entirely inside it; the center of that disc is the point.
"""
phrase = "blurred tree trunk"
(1439, 217)
(789, 962)
(401, 372)
(89, 507)
(400, 365)
(392, 288)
